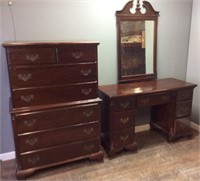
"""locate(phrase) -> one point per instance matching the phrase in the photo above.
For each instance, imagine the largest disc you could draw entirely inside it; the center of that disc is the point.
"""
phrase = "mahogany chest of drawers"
(55, 107)
(170, 101)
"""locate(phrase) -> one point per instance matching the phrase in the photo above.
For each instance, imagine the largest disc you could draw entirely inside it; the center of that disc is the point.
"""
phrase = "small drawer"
(77, 53)
(122, 138)
(52, 75)
(121, 120)
(154, 99)
(51, 119)
(182, 126)
(185, 94)
(124, 103)
(28, 56)
(44, 139)
(57, 94)
(59, 154)
(183, 108)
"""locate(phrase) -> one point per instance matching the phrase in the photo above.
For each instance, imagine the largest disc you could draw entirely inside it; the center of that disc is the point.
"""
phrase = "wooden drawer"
(49, 119)
(154, 99)
(59, 154)
(52, 75)
(124, 103)
(121, 120)
(185, 94)
(121, 138)
(182, 126)
(27, 56)
(77, 53)
(43, 139)
(57, 94)
(183, 108)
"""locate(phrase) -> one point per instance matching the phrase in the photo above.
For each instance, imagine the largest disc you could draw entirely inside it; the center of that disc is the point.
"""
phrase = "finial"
(138, 5)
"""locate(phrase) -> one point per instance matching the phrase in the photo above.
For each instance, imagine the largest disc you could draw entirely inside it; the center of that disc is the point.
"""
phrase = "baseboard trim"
(141, 128)
(195, 126)
(7, 156)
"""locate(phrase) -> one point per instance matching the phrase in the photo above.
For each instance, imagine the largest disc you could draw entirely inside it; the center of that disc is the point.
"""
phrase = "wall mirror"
(137, 42)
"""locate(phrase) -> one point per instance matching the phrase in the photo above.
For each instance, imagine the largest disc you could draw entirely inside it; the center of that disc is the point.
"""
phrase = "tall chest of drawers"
(55, 107)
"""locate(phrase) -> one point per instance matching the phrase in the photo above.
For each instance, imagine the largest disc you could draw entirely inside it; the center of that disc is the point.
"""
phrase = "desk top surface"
(154, 86)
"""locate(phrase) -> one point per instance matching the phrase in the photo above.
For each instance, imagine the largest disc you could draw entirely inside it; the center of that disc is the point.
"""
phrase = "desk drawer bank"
(170, 101)
(55, 107)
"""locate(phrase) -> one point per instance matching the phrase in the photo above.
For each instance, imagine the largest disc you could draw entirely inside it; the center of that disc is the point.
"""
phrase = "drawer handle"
(124, 138)
(86, 91)
(88, 131)
(88, 113)
(77, 55)
(24, 77)
(32, 142)
(29, 123)
(124, 104)
(89, 147)
(85, 72)
(144, 101)
(165, 97)
(34, 160)
(124, 120)
(32, 57)
(27, 98)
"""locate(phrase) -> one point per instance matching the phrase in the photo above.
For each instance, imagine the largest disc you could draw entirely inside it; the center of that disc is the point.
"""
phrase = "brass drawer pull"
(88, 131)
(32, 57)
(124, 138)
(88, 113)
(29, 123)
(124, 120)
(144, 101)
(86, 72)
(124, 104)
(77, 55)
(34, 160)
(32, 142)
(86, 91)
(89, 147)
(24, 77)
(27, 98)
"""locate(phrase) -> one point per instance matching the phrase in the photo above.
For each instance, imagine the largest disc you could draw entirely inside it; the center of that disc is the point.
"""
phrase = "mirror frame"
(126, 15)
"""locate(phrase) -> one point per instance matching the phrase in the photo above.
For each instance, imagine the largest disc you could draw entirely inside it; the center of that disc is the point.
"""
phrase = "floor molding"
(141, 128)
(7, 156)
(195, 126)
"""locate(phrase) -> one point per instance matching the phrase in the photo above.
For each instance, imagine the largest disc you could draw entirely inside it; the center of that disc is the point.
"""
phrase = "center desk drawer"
(52, 75)
(154, 99)
(49, 119)
(57, 94)
(31, 56)
(43, 139)
(77, 54)
(59, 154)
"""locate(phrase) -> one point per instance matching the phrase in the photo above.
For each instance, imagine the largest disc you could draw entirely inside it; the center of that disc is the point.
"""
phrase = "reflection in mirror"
(137, 37)
(137, 47)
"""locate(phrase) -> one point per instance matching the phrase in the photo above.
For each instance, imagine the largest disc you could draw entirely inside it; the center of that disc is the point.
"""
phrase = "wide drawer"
(185, 94)
(183, 108)
(122, 138)
(57, 94)
(27, 56)
(59, 154)
(154, 99)
(43, 139)
(52, 75)
(77, 53)
(49, 119)
(121, 120)
(123, 103)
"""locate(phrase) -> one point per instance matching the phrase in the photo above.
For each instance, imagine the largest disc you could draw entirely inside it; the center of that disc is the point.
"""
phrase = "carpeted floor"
(156, 160)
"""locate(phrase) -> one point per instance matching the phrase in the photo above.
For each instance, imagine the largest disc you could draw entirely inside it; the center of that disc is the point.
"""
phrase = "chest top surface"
(147, 87)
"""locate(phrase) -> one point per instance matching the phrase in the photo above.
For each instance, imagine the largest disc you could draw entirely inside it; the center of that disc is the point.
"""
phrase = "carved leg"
(132, 147)
(23, 174)
(97, 156)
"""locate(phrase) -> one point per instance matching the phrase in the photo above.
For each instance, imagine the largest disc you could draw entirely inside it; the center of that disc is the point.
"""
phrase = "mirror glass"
(137, 42)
